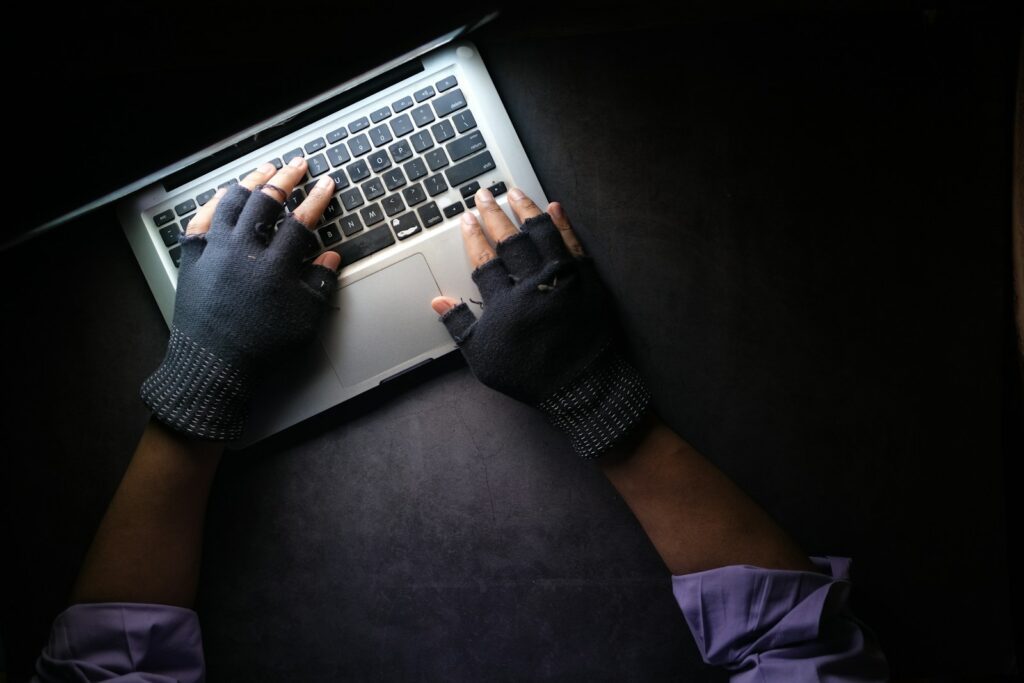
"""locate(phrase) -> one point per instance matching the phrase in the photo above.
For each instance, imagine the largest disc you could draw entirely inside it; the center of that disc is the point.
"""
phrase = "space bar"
(364, 245)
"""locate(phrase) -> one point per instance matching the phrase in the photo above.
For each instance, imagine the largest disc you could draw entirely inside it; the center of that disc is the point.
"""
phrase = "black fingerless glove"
(545, 338)
(244, 295)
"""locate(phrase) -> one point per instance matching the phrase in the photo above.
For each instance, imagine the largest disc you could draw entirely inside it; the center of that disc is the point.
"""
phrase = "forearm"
(148, 546)
(695, 516)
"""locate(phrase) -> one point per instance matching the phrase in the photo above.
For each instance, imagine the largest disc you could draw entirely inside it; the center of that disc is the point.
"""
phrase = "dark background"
(804, 217)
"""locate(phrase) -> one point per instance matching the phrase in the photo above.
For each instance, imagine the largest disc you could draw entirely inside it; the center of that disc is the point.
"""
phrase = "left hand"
(245, 295)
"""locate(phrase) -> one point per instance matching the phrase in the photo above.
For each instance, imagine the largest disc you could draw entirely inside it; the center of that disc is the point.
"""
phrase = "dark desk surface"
(805, 223)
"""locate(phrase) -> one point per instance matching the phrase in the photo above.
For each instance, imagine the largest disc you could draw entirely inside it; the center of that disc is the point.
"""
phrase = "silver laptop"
(427, 130)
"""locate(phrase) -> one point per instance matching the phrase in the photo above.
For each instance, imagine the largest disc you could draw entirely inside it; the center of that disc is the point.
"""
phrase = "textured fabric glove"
(245, 294)
(545, 338)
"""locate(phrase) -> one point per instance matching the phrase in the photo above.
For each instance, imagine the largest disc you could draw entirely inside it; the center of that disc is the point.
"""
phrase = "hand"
(245, 295)
(545, 334)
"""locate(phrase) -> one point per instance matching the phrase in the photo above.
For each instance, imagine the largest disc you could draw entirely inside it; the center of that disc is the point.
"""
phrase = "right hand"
(545, 334)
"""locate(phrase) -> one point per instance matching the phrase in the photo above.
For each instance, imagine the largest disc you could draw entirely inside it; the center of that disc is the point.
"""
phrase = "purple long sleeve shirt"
(759, 624)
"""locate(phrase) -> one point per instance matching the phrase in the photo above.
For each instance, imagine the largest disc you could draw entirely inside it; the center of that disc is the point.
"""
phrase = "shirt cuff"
(127, 641)
(772, 624)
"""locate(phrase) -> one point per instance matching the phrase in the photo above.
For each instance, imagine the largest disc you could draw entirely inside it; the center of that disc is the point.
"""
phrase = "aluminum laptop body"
(380, 323)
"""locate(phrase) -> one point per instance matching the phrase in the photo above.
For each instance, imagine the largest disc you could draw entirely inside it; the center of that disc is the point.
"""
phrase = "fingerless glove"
(545, 338)
(245, 294)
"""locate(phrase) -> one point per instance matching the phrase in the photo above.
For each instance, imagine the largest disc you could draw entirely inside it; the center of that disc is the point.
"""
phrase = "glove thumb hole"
(459, 322)
(321, 279)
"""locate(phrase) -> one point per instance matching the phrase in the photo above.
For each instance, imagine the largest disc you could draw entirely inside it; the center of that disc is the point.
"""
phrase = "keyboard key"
(470, 202)
(466, 145)
(228, 183)
(402, 125)
(430, 215)
(380, 115)
(317, 165)
(442, 131)
(400, 151)
(498, 189)
(423, 115)
(176, 257)
(446, 104)
(421, 141)
(446, 84)
(350, 199)
(288, 156)
(329, 234)
(379, 160)
(380, 135)
(314, 146)
(423, 94)
(359, 145)
(340, 181)
(332, 211)
(369, 243)
(415, 168)
(436, 159)
(358, 171)
(206, 196)
(350, 224)
(358, 125)
(414, 195)
(464, 121)
(187, 206)
(394, 178)
(278, 164)
(373, 188)
(469, 190)
(372, 214)
(406, 225)
(163, 217)
(435, 184)
(186, 220)
(170, 233)
(402, 104)
(393, 204)
(471, 168)
(453, 210)
(295, 199)
(336, 135)
(338, 155)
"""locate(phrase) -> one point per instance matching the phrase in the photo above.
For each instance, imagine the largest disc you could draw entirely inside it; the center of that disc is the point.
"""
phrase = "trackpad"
(383, 320)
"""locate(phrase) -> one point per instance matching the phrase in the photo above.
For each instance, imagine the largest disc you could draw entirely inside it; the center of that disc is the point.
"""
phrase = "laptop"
(407, 143)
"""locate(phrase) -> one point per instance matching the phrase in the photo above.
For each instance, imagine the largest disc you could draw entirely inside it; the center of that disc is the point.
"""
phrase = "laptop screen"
(114, 116)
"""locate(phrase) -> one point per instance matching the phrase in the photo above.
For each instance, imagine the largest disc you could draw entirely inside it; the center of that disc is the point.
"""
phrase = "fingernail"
(483, 196)
(556, 212)
(266, 168)
(516, 194)
(468, 218)
(325, 181)
(296, 162)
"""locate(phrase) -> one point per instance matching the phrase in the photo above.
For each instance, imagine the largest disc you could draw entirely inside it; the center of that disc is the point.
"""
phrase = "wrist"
(602, 406)
(196, 392)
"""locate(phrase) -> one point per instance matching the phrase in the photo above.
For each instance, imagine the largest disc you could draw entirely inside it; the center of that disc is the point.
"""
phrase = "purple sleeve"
(778, 625)
(124, 642)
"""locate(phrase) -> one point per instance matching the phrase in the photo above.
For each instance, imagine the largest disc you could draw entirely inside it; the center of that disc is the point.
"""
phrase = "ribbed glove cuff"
(600, 406)
(196, 392)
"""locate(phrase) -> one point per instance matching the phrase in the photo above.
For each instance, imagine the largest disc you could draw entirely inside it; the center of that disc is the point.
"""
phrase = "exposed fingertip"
(220, 193)
(443, 304)
(555, 209)
(516, 194)
(468, 219)
(330, 259)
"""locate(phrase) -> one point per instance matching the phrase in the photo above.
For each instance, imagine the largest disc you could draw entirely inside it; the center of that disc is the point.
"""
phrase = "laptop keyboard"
(387, 168)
